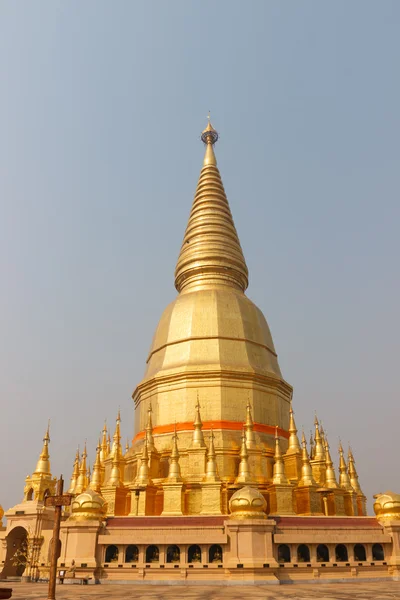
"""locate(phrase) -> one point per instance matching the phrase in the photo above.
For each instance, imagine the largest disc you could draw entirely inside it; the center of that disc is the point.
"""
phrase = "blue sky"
(101, 109)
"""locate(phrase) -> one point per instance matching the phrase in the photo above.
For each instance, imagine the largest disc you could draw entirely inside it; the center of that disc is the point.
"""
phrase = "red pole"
(55, 543)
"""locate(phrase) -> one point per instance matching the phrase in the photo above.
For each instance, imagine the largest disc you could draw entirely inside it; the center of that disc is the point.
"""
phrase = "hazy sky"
(101, 108)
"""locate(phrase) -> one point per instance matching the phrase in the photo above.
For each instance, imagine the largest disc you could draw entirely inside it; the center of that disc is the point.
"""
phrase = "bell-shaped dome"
(387, 506)
(88, 506)
(248, 503)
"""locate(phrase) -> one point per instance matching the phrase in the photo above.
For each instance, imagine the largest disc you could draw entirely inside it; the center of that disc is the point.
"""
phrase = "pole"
(55, 543)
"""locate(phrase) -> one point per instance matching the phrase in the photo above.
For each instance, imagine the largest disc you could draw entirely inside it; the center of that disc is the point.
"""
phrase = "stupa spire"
(149, 429)
(143, 474)
(279, 475)
(319, 452)
(311, 446)
(116, 447)
(82, 482)
(75, 473)
(244, 468)
(307, 477)
(355, 484)
(43, 464)
(103, 445)
(211, 467)
(174, 472)
(211, 251)
(96, 479)
(294, 444)
(330, 475)
(198, 437)
(249, 427)
(344, 479)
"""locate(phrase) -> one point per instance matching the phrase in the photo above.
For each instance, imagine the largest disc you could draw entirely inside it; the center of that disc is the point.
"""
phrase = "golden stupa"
(216, 480)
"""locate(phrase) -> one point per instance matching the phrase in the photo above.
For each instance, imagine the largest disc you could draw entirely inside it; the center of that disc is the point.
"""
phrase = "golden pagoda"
(215, 480)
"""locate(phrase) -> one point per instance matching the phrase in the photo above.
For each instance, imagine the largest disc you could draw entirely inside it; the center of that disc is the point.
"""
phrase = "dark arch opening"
(17, 555)
(359, 552)
(29, 495)
(303, 553)
(341, 553)
(111, 554)
(152, 554)
(284, 553)
(215, 554)
(173, 554)
(377, 552)
(322, 553)
(194, 554)
(131, 554)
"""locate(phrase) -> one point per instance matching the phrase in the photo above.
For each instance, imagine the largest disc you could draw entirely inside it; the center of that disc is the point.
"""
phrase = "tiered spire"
(211, 467)
(330, 475)
(108, 446)
(311, 446)
(319, 452)
(344, 479)
(279, 476)
(294, 444)
(174, 472)
(116, 446)
(143, 473)
(82, 482)
(322, 431)
(149, 429)
(306, 470)
(116, 453)
(96, 479)
(249, 426)
(244, 468)
(198, 437)
(43, 464)
(103, 445)
(355, 484)
(211, 251)
(75, 473)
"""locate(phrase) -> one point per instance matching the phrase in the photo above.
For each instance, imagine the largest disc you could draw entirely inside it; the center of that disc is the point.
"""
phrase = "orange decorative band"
(232, 425)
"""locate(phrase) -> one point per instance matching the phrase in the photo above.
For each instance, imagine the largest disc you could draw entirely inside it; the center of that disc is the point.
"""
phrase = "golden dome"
(247, 503)
(217, 327)
(87, 506)
(387, 506)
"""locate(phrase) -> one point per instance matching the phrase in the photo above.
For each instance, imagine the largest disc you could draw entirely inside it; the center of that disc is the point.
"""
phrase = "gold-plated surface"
(387, 506)
(330, 481)
(96, 479)
(279, 476)
(294, 444)
(43, 464)
(82, 481)
(212, 345)
(174, 473)
(247, 503)
(211, 467)
(344, 479)
(88, 506)
(307, 478)
(212, 349)
(75, 473)
(198, 437)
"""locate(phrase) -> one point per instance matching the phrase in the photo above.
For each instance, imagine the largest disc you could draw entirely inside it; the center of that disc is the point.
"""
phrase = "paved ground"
(341, 591)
